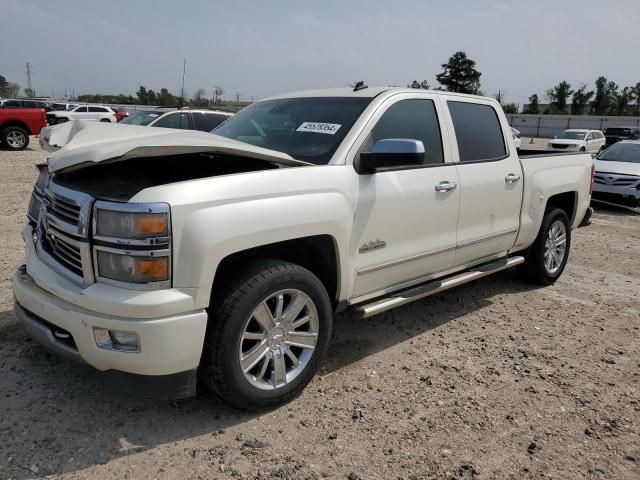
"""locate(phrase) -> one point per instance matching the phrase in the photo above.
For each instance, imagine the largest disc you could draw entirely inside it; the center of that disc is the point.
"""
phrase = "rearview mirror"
(390, 154)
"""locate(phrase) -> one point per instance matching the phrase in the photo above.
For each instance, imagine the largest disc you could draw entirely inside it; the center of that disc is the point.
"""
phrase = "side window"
(478, 131)
(590, 136)
(97, 109)
(12, 104)
(207, 121)
(174, 120)
(414, 119)
(81, 110)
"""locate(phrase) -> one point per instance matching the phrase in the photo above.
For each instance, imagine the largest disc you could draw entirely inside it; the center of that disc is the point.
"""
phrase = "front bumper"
(612, 191)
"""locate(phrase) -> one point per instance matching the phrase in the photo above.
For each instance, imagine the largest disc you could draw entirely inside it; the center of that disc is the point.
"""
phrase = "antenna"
(184, 70)
(359, 86)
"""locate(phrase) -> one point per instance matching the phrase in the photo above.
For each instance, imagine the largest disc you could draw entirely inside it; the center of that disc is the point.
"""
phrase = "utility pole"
(237, 97)
(184, 69)
(29, 84)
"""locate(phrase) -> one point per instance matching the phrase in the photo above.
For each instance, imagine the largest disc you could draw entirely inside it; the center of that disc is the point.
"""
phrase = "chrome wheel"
(555, 247)
(16, 139)
(278, 339)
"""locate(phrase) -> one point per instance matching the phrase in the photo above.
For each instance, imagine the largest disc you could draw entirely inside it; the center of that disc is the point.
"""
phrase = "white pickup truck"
(163, 257)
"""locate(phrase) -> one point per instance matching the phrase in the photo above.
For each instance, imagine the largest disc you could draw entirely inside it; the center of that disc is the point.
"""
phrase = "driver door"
(405, 227)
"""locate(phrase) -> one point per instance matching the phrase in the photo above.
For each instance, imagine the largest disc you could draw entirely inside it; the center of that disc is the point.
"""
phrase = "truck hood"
(87, 143)
(621, 168)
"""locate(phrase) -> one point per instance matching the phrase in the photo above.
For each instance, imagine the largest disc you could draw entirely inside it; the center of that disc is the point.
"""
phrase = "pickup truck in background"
(164, 256)
(16, 124)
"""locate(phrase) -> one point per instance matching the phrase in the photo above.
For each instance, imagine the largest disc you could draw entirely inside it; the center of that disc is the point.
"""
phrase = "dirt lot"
(493, 380)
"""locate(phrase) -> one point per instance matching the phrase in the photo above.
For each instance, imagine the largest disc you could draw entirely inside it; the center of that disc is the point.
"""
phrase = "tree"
(8, 89)
(424, 85)
(166, 98)
(622, 101)
(152, 98)
(636, 95)
(510, 108)
(29, 92)
(602, 100)
(580, 100)
(558, 97)
(460, 75)
(3, 83)
(199, 98)
(534, 105)
(142, 95)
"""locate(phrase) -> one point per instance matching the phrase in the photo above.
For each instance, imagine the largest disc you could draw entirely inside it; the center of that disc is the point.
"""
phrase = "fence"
(547, 126)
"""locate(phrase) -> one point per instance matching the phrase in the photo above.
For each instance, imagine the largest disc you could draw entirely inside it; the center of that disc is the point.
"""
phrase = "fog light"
(116, 340)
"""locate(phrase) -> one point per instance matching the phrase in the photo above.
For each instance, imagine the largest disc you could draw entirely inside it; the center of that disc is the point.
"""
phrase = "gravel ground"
(496, 379)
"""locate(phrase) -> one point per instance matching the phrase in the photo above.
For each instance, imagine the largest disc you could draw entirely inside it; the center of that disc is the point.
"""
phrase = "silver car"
(617, 176)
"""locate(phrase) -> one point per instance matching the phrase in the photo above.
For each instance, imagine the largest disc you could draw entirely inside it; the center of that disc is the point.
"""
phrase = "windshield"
(569, 135)
(308, 129)
(140, 118)
(621, 152)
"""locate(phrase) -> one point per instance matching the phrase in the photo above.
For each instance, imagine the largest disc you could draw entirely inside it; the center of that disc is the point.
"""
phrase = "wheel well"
(565, 201)
(14, 123)
(317, 254)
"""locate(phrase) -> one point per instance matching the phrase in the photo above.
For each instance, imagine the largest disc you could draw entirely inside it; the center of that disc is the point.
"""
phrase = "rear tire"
(248, 357)
(105, 120)
(547, 257)
(14, 138)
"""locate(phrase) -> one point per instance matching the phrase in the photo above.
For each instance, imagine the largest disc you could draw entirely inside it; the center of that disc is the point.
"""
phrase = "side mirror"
(390, 154)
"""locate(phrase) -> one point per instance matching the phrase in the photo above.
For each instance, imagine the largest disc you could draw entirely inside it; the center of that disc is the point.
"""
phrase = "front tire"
(548, 255)
(267, 336)
(14, 138)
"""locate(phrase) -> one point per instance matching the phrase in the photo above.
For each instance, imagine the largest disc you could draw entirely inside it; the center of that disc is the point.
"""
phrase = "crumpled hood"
(621, 168)
(86, 143)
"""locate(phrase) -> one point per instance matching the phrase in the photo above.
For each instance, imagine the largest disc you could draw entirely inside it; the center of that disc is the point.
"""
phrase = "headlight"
(573, 145)
(133, 268)
(33, 214)
(133, 225)
(132, 244)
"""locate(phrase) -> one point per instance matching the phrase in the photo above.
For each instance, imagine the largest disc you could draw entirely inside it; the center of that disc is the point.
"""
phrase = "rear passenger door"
(404, 226)
(490, 181)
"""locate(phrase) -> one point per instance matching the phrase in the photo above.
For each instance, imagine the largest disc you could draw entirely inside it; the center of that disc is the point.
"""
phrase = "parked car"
(616, 134)
(577, 140)
(100, 113)
(121, 114)
(186, 119)
(24, 103)
(161, 253)
(617, 177)
(63, 107)
(517, 141)
(16, 124)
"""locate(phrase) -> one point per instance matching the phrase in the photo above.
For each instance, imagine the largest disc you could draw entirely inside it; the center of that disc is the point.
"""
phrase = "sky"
(259, 48)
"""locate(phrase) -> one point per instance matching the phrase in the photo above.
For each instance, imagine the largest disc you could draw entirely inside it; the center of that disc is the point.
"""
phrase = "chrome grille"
(615, 180)
(64, 209)
(63, 235)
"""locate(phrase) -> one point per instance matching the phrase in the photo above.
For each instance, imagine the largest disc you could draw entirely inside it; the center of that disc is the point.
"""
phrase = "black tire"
(582, 150)
(534, 268)
(220, 366)
(105, 120)
(14, 138)
(62, 120)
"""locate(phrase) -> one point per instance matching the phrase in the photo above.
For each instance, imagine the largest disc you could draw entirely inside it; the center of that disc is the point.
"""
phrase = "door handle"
(512, 178)
(446, 186)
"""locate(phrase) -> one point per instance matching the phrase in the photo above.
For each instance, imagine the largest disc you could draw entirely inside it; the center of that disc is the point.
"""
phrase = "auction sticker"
(319, 127)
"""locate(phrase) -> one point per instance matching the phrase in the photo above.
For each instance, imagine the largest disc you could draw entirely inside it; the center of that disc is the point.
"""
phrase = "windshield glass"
(569, 135)
(140, 118)
(308, 129)
(621, 152)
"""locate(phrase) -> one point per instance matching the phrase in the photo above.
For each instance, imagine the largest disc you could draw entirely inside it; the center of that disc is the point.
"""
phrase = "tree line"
(607, 98)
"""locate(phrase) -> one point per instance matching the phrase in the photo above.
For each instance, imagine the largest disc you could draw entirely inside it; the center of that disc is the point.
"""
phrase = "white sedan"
(577, 141)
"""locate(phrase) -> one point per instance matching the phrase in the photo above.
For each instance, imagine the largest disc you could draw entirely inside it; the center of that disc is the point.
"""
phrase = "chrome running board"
(421, 291)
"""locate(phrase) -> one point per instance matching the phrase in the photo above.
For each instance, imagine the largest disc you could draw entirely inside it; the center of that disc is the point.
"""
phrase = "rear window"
(478, 132)
(622, 132)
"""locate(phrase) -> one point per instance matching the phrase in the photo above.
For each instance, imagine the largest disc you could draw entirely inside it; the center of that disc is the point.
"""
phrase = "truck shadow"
(63, 418)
